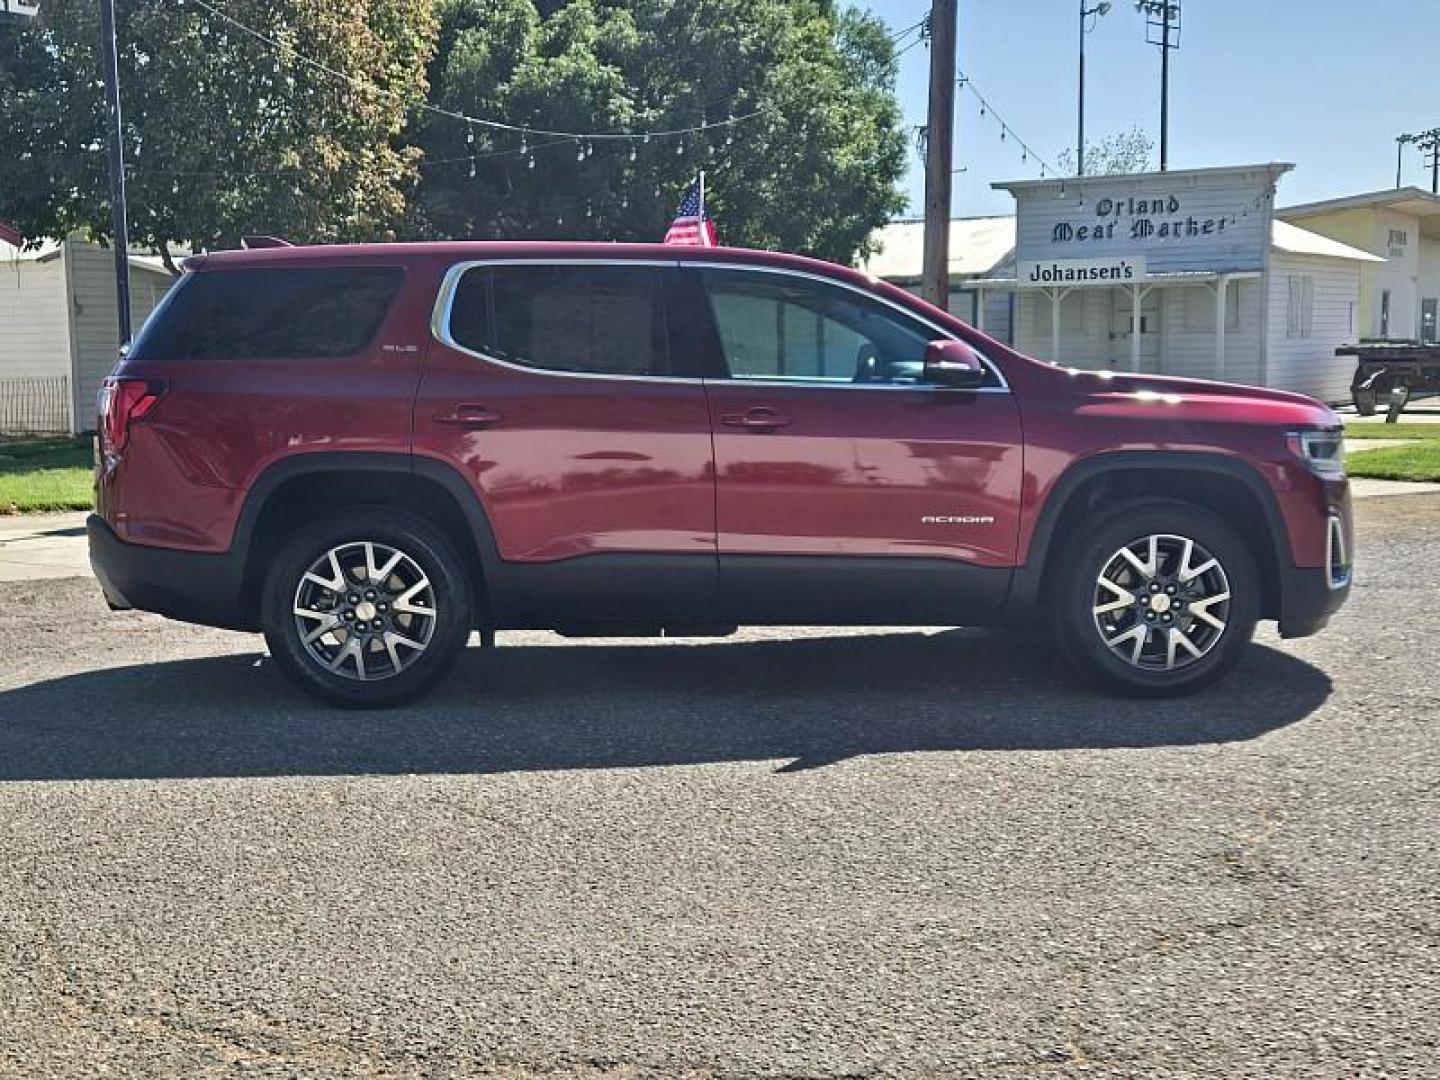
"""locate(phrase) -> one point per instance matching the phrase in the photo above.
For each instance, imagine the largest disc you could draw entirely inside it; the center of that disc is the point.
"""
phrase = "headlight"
(1322, 451)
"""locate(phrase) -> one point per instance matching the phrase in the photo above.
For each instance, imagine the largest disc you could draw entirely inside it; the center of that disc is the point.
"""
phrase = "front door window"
(792, 329)
(1428, 329)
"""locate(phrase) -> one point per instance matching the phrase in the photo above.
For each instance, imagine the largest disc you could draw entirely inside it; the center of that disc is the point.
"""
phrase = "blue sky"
(1325, 84)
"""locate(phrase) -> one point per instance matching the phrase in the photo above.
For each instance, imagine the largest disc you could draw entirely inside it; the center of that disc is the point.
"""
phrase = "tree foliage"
(227, 135)
(224, 134)
(1128, 151)
(815, 170)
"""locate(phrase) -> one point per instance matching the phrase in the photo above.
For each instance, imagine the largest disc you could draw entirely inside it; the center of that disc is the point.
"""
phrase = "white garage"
(58, 336)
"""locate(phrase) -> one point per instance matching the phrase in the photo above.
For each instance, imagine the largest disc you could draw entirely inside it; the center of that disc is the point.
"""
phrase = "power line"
(1026, 150)
(499, 125)
(917, 25)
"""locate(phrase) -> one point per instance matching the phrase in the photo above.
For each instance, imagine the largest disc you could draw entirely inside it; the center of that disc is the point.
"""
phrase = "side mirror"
(953, 364)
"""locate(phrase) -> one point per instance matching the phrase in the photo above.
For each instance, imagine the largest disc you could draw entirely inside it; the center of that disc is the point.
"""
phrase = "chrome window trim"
(445, 299)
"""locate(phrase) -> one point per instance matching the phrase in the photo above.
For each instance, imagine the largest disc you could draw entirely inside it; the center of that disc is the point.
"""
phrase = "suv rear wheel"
(1158, 598)
(367, 609)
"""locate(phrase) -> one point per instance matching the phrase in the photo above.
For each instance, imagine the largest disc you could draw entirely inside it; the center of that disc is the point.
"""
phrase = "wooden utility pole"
(1429, 144)
(939, 152)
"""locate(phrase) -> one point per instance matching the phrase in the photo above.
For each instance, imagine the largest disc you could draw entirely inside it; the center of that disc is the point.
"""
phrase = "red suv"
(369, 452)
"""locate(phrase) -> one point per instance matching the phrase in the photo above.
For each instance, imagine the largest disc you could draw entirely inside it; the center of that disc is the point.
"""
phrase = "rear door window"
(596, 320)
(271, 314)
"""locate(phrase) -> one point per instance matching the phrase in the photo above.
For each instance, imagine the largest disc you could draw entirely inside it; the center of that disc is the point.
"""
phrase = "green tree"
(224, 134)
(816, 169)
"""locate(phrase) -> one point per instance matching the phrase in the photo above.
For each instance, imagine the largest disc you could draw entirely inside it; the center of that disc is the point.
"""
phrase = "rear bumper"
(191, 586)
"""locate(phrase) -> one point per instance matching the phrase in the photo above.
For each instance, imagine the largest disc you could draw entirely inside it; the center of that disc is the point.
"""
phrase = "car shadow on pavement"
(807, 702)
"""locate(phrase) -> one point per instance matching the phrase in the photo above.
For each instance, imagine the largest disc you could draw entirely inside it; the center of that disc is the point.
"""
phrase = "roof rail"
(251, 242)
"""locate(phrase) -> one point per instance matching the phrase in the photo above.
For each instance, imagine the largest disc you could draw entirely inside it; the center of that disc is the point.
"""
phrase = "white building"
(1178, 273)
(58, 336)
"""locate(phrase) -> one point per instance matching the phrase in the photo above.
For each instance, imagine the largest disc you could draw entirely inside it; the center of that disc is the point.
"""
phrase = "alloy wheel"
(1161, 602)
(365, 611)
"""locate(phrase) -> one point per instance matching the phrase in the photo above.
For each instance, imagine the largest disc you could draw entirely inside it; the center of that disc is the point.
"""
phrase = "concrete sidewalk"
(35, 546)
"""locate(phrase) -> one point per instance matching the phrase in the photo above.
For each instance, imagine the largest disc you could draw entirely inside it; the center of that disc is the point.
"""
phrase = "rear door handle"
(758, 419)
(468, 416)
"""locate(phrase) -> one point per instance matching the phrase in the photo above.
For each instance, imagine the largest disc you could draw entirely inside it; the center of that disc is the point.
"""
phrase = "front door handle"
(468, 416)
(758, 419)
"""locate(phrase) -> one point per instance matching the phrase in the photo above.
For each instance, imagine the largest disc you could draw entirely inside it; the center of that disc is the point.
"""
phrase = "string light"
(501, 125)
(1007, 133)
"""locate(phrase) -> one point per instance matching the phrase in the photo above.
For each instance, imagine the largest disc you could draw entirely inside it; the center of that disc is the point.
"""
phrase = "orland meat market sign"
(1139, 219)
(1192, 220)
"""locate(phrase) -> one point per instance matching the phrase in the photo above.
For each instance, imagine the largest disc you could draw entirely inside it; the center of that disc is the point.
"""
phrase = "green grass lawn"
(1420, 461)
(45, 474)
(1392, 431)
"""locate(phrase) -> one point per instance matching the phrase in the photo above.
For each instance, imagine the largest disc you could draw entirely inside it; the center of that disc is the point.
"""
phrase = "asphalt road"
(802, 854)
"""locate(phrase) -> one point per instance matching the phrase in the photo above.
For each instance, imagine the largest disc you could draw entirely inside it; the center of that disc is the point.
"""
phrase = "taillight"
(122, 402)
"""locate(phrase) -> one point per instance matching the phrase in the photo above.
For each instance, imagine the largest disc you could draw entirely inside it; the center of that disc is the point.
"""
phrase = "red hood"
(1188, 399)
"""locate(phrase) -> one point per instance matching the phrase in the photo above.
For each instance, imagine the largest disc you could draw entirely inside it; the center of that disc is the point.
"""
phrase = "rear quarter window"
(270, 314)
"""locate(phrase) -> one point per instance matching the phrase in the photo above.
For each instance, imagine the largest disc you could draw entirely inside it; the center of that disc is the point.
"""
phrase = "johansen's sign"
(1048, 272)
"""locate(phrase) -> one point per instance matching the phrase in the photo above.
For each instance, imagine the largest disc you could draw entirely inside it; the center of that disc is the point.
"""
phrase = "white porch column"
(1056, 295)
(980, 308)
(1221, 288)
(1136, 295)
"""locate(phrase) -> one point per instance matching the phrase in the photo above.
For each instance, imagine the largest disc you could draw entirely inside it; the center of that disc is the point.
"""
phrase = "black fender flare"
(396, 462)
(1026, 583)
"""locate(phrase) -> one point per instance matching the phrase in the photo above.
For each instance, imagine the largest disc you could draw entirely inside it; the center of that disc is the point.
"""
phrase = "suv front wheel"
(1158, 598)
(367, 609)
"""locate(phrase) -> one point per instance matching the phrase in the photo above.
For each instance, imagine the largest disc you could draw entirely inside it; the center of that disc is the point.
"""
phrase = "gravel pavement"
(795, 853)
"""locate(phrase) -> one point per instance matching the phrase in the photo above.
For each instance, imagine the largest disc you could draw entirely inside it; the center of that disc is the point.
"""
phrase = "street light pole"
(1162, 17)
(1085, 13)
(118, 225)
(1165, 89)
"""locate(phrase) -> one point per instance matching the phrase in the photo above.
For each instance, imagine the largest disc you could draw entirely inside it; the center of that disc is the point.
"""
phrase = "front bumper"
(190, 586)
(1309, 595)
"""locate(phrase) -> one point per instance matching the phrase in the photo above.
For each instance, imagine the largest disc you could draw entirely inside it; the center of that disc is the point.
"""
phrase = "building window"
(1072, 314)
(1300, 309)
(964, 304)
(1385, 313)
(1200, 309)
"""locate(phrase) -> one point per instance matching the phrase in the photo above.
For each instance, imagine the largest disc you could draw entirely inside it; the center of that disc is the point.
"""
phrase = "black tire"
(1095, 549)
(438, 616)
(1365, 401)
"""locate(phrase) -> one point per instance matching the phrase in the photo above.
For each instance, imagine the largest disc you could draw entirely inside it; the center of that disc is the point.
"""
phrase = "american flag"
(691, 224)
